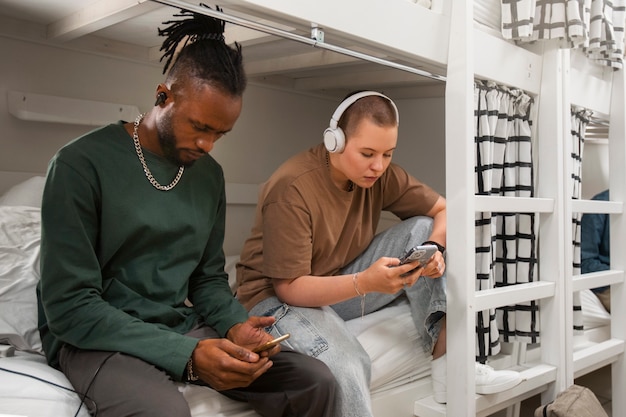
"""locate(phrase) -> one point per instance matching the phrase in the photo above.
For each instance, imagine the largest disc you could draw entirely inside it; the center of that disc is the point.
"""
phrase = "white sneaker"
(438, 376)
(490, 381)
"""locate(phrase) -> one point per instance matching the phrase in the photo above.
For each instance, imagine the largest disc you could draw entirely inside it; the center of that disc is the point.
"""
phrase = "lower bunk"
(400, 370)
(29, 387)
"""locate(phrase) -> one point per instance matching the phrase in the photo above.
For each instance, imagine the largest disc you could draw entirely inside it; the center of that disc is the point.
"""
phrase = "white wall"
(33, 68)
(274, 124)
(421, 140)
(249, 153)
(595, 168)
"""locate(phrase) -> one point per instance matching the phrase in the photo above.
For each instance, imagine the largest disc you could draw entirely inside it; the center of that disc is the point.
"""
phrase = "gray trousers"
(119, 385)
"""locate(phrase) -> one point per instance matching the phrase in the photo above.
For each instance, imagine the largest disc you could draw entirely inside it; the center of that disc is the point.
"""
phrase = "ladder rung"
(597, 356)
(513, 204)
(597, 279)
(535, 380)
(513, 294)
(597, 206)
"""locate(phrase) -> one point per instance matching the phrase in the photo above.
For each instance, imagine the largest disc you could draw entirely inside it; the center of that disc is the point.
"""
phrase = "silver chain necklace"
(149, 175)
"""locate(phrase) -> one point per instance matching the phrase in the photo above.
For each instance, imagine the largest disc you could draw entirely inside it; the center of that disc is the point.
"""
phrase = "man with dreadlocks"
(132, 227)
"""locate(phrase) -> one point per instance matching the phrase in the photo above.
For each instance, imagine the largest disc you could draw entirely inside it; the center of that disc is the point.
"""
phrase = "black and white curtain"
(596, 26)
(580, 118)
(505, 242)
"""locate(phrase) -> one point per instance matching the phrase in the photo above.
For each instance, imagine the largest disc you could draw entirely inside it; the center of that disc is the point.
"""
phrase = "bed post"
(617, 187)
(460, 197)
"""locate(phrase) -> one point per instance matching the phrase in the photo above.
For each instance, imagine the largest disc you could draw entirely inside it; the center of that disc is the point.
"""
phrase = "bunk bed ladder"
(463, 300)
(602, 91)
(554, 363)
(610, 351)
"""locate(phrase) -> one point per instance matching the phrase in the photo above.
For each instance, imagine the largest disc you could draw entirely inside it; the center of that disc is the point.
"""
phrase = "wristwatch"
(440, 248)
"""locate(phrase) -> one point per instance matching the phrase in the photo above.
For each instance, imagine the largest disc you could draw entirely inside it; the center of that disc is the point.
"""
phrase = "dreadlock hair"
(204, 54)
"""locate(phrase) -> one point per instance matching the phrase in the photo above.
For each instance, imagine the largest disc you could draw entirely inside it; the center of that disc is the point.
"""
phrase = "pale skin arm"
(384, 276)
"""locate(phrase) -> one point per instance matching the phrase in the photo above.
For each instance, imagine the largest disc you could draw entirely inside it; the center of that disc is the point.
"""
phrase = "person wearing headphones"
(313, 259)
(133, 294)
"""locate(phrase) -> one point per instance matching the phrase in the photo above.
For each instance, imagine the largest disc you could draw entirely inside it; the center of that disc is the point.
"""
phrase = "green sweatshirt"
(119, 257)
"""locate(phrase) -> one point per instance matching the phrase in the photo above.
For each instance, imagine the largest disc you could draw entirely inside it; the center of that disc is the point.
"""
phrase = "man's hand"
(224, 365)
(230, 363)
(251, 334)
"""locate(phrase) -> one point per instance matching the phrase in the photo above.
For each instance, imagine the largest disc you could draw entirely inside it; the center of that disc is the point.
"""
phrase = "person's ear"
(161, 98)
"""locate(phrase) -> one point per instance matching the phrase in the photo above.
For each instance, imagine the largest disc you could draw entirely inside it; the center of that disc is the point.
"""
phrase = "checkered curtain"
(579, 120)
(505, 242)
(596, 26)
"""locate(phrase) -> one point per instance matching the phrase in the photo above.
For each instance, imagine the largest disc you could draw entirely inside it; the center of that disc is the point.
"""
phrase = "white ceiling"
(128, 28)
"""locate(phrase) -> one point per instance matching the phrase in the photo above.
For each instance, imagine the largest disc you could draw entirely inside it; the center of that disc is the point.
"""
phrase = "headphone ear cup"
(334, 140)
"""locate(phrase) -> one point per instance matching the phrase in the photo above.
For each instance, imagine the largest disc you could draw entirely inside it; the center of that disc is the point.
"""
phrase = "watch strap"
(440, 248)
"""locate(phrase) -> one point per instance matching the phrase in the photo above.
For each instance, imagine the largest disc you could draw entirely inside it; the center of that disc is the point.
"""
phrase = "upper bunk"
(325, 48)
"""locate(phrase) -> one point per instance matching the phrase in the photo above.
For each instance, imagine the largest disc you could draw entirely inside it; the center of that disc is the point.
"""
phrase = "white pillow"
(20, 230)
(27, 193)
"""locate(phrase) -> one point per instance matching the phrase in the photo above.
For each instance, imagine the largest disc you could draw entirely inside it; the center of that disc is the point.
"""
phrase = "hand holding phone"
(420, 253)
(271, 343)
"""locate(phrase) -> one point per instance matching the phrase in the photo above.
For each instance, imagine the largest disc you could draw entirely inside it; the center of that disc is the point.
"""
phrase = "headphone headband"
(343, 106)
(334, 138)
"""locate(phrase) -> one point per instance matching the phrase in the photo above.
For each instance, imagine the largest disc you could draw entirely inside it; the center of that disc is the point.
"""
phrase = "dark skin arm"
(229, 362)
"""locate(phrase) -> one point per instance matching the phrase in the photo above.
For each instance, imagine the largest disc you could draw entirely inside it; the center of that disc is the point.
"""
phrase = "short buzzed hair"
(378, 109)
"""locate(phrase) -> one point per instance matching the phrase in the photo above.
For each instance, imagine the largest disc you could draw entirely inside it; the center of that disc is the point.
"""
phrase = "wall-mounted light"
(45, 108)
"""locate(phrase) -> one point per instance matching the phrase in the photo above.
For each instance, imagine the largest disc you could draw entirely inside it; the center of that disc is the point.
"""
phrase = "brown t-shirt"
(305, 225)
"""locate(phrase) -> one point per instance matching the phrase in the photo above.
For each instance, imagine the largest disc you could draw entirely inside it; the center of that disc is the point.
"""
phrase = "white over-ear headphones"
(334, 138)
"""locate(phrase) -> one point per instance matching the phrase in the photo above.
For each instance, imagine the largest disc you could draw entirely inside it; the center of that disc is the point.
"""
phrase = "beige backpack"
(576, 401)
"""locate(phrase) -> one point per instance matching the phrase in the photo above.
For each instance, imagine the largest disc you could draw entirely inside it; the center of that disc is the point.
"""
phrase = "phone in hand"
(420, 253)
(271, 343)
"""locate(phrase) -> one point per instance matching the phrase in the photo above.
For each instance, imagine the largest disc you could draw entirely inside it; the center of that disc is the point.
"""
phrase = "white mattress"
(393, 364)
(389, 335)
(21, 394)
(25, 396)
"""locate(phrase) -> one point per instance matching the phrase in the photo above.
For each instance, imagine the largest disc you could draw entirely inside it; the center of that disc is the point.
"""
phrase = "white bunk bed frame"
(452, 43)
(467, 52)
(549, 76)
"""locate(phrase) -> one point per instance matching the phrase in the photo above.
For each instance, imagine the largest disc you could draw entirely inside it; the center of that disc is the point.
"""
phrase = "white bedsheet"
(393, 364)
(389, 337)
(24, 396)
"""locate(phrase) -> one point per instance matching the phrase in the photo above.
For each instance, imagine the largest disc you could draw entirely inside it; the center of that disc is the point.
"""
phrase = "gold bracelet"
(356, 288)
(190, 375)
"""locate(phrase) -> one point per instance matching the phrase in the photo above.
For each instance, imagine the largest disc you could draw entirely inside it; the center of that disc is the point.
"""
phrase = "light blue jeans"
(322, 333)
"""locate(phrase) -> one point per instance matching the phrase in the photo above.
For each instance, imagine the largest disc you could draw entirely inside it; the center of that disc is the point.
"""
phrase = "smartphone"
(271, 343)
(420, 253)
